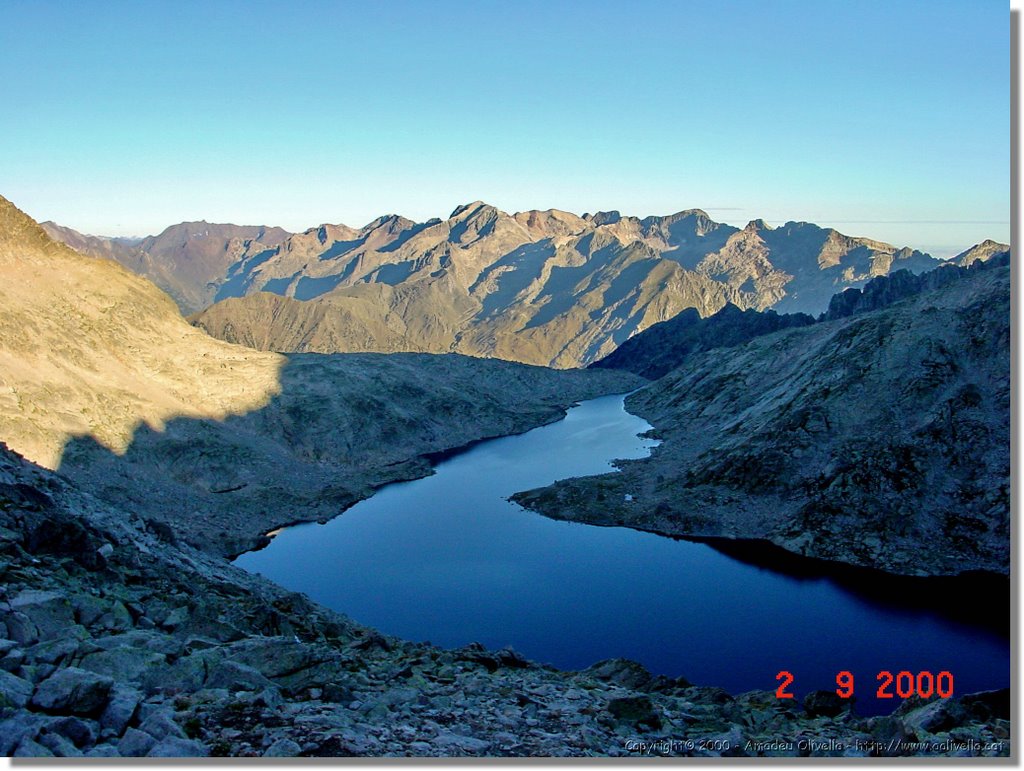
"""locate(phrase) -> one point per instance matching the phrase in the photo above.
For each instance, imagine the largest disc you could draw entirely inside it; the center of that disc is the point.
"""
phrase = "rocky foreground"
(117, 641)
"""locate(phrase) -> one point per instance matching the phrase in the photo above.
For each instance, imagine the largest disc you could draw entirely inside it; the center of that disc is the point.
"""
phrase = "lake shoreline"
(399, 528)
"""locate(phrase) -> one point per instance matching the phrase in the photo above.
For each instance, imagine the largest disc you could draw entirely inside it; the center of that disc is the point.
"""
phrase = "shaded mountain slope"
(667, 345)
(541, 287)
(340, 426)
(880, 439)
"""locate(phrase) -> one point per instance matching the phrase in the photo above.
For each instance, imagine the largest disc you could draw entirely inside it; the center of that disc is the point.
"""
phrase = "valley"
(431, 380)
(141, 454)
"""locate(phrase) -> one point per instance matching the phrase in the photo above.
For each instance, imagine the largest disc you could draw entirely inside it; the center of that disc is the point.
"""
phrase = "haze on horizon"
(882, 119)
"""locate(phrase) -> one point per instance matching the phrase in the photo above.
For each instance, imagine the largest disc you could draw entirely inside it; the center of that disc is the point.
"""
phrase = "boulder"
(125, 663)
(117, 618)
(824, 703)
(939, 715)
(135, 743)
(281, 658)
(337, 693)
(186, 674)
(13, 659)
(144, 639)
(55, 650)
(19, 727)
(235, 677)
(14, 692)
(21, 629)
(31, 749)
(81, 732)
(88, 608)
(635, 710)
(986, 704)
(50, 612)
(120, 708)
(622, 672)
(173, 747)
(510, 657)
(73, 691)
(60, 746)
(448, 741)
(283, 748)
(161, 724)
(103, 751)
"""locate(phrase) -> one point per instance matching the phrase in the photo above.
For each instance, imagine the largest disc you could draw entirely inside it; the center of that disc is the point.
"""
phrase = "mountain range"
(540, 287)
(886, 413)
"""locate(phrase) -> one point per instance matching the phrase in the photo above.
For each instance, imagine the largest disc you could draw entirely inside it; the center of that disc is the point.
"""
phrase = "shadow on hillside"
(339, 427)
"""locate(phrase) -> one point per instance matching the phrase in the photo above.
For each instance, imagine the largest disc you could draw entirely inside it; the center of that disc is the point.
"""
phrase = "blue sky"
(887, 119)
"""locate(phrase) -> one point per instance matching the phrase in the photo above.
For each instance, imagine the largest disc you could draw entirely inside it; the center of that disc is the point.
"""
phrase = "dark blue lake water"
(449, 560)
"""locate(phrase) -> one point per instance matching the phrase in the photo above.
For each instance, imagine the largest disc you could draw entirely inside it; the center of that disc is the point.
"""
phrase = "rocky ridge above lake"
(878, 439)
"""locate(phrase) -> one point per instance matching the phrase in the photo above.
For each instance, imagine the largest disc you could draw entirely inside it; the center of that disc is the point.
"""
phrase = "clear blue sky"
(883, 118)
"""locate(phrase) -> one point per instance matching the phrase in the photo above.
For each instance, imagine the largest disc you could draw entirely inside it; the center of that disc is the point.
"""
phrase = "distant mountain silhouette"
(188, 260)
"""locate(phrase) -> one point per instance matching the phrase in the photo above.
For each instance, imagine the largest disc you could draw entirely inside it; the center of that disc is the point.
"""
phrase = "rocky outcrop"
(886, 290)
(665, 346)
(116, 643)
(879, 439)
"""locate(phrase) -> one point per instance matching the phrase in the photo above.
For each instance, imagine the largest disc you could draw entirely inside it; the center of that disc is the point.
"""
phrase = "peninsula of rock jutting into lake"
(671, 417)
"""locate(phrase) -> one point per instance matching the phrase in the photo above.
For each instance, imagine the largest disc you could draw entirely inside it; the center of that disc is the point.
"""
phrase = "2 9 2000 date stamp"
(903, 684)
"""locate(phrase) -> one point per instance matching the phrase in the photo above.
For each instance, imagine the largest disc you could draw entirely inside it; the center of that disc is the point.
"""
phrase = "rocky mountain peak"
(389, 223)
(603, 217)
(983, 251)
(467, 210)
